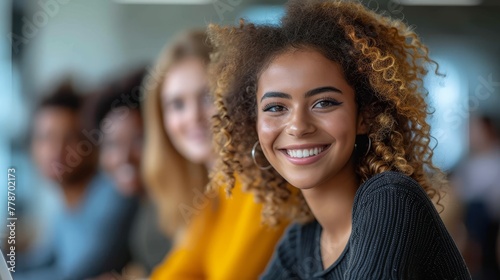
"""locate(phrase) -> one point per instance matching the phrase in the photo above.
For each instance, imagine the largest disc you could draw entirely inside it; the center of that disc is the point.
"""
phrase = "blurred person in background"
(89, 234)
(118, 106)
(477, 181)
(215, 237)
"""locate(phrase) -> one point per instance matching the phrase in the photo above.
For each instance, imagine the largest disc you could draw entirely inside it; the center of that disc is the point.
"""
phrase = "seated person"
(90, 232)
(120, 157)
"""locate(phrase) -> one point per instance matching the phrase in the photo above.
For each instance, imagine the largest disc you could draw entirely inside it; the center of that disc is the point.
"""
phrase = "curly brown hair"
(382, 59)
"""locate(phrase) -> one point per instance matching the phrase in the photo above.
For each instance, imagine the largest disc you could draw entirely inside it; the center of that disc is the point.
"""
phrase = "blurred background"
(89, 42)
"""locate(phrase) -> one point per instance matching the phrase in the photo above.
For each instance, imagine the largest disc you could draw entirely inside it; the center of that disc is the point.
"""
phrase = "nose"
(57, 149)
(60, 146)
(300, 124)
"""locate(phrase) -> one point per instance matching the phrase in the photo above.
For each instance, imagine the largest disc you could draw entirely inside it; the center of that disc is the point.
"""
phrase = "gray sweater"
(396, 234)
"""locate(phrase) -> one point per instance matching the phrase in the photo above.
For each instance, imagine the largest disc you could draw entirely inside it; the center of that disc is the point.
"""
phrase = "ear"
(361, 126)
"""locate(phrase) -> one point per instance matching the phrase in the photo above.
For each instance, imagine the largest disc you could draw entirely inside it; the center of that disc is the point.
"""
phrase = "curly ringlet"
(382, 59)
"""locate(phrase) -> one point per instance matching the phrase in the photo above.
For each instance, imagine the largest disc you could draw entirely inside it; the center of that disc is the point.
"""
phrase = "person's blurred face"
(55, 135)
(481, 135)
(187, 110)
(121, 151)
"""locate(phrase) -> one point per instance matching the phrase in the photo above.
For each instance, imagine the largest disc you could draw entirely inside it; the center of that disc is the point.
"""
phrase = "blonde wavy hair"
(171, 179)
(382, 59)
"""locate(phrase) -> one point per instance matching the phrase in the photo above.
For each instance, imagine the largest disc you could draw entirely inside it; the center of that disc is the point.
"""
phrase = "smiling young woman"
(333, 98)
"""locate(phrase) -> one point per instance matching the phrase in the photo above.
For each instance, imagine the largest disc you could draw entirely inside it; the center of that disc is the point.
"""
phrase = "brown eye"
(326, 103)
(273, 107)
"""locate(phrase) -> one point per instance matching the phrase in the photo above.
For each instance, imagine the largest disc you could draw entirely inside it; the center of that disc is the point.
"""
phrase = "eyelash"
(269, 106)
(332, 102)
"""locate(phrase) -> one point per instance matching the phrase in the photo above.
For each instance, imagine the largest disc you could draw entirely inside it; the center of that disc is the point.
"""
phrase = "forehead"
(184, 77)
(301, 69)
(129, 121)
(54, 114)
(57, 119)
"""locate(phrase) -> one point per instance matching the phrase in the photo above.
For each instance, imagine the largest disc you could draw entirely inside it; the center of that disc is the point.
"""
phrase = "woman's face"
(187, 110)
(121, 150)
(307, 118)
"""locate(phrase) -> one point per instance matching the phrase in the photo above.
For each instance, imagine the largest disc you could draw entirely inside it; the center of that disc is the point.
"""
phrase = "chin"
(53, 176)
(303, 183)
(201, 157)
(129, 191)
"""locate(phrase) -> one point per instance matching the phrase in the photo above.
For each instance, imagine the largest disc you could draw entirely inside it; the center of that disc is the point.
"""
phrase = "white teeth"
(303, 153)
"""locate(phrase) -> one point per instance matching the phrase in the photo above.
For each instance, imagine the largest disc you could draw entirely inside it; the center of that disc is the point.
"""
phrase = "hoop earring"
(369, 145)
(362, 144)
(255, 160)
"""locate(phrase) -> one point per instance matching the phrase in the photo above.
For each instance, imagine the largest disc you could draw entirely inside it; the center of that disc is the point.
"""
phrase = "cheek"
(107, 160)
(341, 126)
(209, 111)
(50, 151)
(267, 130)
(39, 151)
(74, 145)
(173, 124)
(110, 157)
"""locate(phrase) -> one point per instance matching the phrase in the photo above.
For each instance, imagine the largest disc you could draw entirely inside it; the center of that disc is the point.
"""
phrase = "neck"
(331, 203)
(74, 190)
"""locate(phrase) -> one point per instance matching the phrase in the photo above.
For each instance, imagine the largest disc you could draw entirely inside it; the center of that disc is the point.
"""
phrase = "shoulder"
(297, 238)
(393, 192)
(298, 231)
(389, 183)
(103, 200)
(290, 240)
(103, 188)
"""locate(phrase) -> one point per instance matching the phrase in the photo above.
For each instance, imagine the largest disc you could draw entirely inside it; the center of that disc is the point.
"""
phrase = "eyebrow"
(308, 94)
(270, 94)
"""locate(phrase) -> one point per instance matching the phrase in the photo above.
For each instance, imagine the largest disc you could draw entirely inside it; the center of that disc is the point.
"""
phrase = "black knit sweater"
(396, 234)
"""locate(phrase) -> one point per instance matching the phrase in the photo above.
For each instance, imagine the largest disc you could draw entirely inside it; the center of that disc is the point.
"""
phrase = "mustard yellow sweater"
(224, 242)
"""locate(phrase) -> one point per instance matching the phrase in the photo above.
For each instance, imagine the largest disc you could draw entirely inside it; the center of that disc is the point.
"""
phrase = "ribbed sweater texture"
(396, 234)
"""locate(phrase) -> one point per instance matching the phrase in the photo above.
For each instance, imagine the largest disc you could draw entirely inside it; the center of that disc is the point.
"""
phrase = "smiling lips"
(304, 155)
